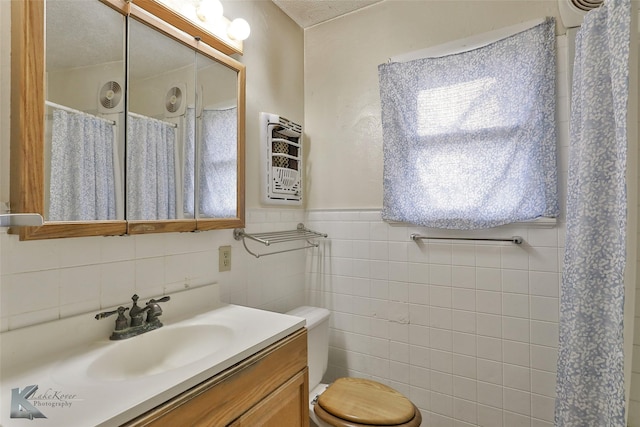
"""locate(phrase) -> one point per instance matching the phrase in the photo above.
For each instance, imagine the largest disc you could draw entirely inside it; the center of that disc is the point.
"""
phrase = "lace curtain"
(469, 139)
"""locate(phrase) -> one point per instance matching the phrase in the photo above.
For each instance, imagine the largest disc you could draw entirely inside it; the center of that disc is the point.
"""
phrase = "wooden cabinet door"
(288, 406)
(277, 374)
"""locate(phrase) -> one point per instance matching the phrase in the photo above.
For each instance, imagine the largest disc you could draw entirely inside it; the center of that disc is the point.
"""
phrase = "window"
(469, 139)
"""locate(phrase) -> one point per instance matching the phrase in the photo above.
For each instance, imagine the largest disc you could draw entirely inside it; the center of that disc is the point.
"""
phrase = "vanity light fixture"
(239, 29)
(209, 10)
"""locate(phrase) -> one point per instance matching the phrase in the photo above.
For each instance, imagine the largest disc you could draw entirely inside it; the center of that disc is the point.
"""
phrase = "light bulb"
(209, 10)
(239, 29)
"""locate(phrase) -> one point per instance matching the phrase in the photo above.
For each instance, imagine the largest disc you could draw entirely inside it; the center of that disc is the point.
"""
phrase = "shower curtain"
(590, 379)
(82, 184)
(151, 183)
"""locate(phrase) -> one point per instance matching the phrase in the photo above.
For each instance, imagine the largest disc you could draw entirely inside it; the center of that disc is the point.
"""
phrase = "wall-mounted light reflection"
(209, 14)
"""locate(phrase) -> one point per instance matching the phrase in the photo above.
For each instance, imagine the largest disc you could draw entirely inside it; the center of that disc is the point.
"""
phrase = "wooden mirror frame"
(28, 127)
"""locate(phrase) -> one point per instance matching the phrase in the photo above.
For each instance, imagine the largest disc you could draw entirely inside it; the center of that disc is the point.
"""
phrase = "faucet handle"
(155, 310)
(121, 321)
(120, 310)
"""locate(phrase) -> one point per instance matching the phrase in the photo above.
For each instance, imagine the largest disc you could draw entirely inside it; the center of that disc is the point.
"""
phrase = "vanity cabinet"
(269, 388)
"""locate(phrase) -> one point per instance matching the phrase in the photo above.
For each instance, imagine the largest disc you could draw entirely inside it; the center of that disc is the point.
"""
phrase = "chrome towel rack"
(517, 240)
(274, 237)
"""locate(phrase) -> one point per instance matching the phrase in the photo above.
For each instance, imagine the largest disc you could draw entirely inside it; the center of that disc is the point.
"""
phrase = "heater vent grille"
(281, 159)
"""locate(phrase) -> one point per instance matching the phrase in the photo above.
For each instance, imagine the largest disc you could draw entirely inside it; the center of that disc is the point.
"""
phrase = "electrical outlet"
(224, 258)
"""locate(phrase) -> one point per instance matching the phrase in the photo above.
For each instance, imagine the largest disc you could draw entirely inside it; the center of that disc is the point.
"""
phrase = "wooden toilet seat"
(357, 402)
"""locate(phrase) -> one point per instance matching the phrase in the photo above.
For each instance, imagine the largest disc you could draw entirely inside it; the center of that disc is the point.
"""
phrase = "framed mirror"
(217, 136)
(52, 86)
(36, 161)
(187, 84)
(160, 127)
(220, 155)
(84, 120)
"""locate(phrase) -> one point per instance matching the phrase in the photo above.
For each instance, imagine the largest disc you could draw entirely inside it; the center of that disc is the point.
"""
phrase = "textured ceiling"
(94, 34)
(307, 13)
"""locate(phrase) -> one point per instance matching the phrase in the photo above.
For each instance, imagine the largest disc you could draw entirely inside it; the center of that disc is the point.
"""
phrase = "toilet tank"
(317, 341)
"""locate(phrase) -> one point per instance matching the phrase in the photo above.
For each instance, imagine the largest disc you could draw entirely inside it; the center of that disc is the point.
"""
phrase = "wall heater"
(281, 158)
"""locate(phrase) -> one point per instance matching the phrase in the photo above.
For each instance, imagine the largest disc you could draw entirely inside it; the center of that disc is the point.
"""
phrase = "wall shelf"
(21, 220)
(275, 237)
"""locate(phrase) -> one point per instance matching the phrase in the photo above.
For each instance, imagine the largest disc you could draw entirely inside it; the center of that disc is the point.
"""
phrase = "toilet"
(348, 402)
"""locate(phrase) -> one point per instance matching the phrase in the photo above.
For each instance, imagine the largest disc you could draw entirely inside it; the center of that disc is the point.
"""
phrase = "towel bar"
(517, 240)
(267, 238)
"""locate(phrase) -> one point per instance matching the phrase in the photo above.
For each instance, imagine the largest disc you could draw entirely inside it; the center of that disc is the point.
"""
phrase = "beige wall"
(342, 105)
(273, 56)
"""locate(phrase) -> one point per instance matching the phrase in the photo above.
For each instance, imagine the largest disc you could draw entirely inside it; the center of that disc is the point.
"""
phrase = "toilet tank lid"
(313, 315)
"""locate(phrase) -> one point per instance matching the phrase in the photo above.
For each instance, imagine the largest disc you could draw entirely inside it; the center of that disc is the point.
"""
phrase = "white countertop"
(68, 397)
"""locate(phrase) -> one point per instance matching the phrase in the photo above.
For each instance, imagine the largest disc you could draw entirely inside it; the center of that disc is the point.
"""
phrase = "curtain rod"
(468, 43)
(140, 116)
(71, 110)
(517, 240)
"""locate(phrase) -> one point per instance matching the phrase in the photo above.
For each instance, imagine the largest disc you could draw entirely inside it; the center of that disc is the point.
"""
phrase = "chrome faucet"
(136, 326)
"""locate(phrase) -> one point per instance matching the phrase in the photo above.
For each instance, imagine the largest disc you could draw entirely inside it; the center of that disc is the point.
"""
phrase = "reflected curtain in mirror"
(218, 185)
(160, 124)
(85, 74)
(151, 186)
(82, 168)
(189, 147)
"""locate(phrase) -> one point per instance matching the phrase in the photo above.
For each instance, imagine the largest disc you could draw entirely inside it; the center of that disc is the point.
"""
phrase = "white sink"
(158, 351)
(106, 383)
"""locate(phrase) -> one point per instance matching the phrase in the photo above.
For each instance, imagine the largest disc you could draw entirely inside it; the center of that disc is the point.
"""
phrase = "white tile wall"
(46, 280)
(469, 331)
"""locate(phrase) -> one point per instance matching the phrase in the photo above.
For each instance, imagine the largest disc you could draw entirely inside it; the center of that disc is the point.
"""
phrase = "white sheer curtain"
(189, 155)
(151, 186)
(82, 183)
(590, 379)
(469, 139)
